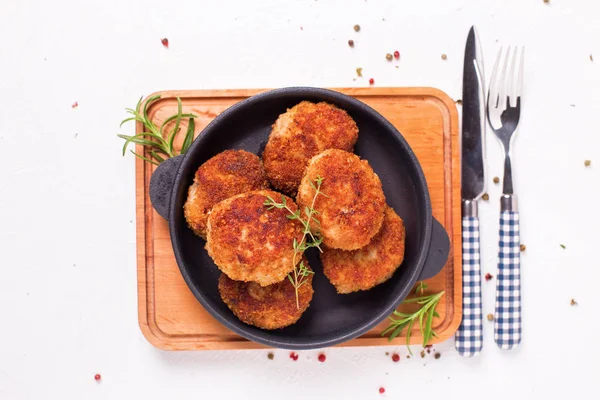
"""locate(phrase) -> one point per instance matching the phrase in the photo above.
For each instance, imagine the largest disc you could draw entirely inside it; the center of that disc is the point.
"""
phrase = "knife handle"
(469, 338)
(507, 325)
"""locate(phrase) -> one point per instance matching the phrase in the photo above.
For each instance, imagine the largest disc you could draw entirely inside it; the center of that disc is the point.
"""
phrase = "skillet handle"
(438, 251)
(161, 185)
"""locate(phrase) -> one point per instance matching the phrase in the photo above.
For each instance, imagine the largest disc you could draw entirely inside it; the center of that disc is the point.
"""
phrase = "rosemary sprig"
(298, 277)
(160, 144)
(423, 316)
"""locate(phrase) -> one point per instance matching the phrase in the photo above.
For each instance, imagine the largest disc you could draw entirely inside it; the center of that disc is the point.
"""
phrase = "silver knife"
(469, 338)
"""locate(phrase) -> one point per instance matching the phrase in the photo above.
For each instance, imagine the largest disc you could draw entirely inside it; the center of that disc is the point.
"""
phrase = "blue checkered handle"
(469, 338)
(507, 325)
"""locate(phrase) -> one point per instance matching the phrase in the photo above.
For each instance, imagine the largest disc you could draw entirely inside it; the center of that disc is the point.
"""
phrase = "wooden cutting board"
(170, 316)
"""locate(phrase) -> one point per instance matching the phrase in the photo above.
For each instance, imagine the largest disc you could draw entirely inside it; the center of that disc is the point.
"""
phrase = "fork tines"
(507, 87)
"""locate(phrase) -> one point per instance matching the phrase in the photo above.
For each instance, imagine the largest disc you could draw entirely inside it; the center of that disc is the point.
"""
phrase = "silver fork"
(503, 112)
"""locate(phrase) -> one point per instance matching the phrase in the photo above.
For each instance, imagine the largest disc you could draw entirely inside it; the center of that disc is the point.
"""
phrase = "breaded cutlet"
(266, 307)
(351, 212)
(250, 242)
(302, 132)
(351, 271)
(227, 174)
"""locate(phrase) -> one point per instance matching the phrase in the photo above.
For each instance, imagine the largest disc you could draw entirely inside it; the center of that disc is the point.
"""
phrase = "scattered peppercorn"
(546, 1)
(397, 55)
(573, 302)
(563, 246)
(437, 356)
(496, 180)
(591, 58)
(382, 390)
(389, 57)
(422, 353)
(165, 42)
(371, 81)
(485, 197)
(75, 105)
(359, 71)
(408, 356)
(351, 43)
(490, 317)
(587, 163)
(523, 247)
(459, 102)
(356, 28)
(395, 357)
(444, 57)
(387, 353)
(488, 277)
(97, 377)
(428, 351)
(322, 357)
(270, 356)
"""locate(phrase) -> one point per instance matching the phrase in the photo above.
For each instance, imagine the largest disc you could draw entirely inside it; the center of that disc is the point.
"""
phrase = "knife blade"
(469, 337)
(473, 121)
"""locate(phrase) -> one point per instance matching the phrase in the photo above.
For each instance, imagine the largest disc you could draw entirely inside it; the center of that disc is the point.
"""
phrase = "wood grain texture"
(169, 315)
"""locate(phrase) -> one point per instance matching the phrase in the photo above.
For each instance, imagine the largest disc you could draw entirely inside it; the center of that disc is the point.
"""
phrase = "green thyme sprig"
(160, 144)
(298, 276)
(423, 316)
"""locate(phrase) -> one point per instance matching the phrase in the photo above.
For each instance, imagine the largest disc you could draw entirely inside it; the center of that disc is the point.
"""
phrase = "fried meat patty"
(351, 212)
(266, 307)
(227, 174)
(302, 132)
(351, 271)
(250, 242)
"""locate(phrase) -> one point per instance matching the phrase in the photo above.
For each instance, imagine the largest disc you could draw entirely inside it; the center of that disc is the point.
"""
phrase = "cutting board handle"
(438, 251)
(161, 185)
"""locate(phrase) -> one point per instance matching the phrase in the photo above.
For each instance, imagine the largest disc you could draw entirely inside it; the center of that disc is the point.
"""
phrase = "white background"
(67, 232)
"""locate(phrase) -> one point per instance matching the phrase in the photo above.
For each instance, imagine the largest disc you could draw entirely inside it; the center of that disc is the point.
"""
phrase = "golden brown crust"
(302, 132)
(228, 173)
(352, 211)
(351, 271)
(250, 242)
(266, 307)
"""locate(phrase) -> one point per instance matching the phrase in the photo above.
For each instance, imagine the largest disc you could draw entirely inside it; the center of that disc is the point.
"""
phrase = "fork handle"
(469, 337)
(507, 325)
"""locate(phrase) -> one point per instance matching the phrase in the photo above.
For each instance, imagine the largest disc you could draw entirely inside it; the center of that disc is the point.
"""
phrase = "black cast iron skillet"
(331, 318)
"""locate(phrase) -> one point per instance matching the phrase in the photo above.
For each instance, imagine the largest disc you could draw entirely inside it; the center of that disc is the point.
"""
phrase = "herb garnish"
(298, 277)
(160, 144)
(423, 316)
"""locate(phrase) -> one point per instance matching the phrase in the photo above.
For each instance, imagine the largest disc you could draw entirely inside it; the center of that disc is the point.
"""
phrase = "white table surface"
(68, 301)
